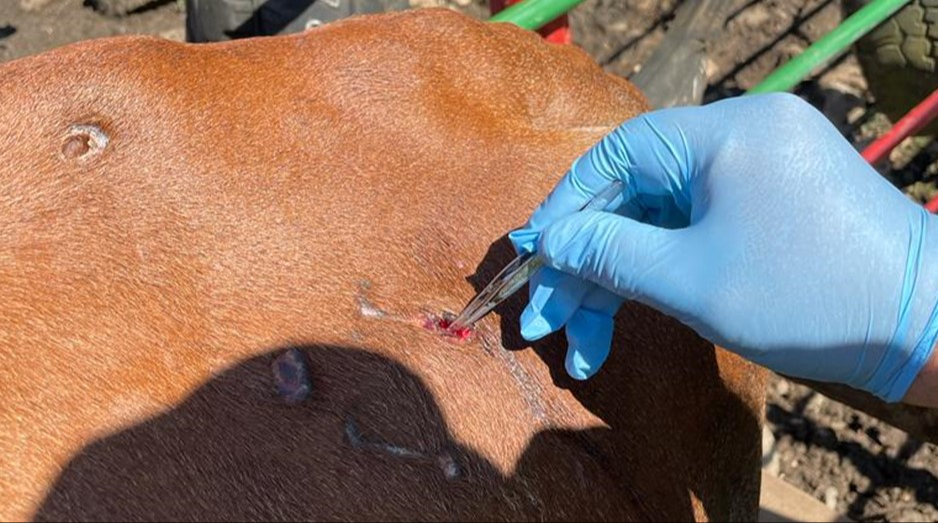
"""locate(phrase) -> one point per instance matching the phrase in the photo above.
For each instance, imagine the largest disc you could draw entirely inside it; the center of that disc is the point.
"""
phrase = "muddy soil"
(852, 462)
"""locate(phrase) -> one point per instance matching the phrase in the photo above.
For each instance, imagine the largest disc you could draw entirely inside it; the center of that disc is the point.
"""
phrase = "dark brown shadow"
(369, 441)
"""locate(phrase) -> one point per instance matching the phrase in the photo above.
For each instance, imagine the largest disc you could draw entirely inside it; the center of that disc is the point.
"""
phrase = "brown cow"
(187, 230)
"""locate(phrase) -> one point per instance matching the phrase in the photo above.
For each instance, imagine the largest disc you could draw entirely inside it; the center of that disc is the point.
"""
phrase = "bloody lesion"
(442, 324)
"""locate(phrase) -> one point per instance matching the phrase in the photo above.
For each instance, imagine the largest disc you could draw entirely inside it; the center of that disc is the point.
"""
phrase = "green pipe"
(832, 44)
(534, 14)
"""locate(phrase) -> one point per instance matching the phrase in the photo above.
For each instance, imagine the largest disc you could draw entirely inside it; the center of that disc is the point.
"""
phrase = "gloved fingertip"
(579, 367)
(534, 326)
(589, 336)
(524, 240)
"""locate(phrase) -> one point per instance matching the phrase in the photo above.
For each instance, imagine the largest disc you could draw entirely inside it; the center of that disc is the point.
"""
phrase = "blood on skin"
(443, 325)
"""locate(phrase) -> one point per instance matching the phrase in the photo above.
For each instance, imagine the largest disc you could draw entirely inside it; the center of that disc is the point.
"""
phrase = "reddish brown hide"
(175, 217)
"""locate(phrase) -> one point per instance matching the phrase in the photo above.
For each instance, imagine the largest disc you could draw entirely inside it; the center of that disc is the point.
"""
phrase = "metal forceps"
(520, 270)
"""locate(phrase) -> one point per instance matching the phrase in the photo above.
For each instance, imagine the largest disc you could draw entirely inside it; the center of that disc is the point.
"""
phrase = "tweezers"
(517, 273)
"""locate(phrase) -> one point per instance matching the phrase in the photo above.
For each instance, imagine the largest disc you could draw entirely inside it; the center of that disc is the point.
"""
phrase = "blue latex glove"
(755, 223)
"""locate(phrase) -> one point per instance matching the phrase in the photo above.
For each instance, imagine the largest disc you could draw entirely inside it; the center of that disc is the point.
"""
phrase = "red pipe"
(557, 32)
(916, 119)
(932, 205)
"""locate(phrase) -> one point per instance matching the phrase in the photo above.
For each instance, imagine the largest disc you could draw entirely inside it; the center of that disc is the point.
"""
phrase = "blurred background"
(848, 460)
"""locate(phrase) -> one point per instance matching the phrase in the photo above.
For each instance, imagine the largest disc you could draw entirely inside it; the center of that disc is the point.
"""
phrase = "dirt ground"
(58, 22)
(848, 460)
(852, 462)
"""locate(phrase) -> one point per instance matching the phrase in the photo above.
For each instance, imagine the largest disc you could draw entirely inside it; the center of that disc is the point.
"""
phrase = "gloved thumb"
(633, 259)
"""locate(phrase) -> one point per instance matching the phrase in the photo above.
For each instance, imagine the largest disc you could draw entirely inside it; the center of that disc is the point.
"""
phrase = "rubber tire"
(900, 59)
(219, 20)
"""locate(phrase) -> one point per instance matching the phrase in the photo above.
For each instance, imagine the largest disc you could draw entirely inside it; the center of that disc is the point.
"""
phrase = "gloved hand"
(756, 224)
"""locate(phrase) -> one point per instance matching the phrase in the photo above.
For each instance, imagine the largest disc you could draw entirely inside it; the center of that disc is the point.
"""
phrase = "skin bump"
(83, 141)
